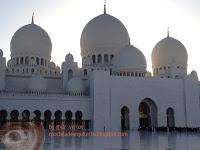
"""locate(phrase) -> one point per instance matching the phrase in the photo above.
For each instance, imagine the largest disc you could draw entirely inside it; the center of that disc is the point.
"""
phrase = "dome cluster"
(105, 45)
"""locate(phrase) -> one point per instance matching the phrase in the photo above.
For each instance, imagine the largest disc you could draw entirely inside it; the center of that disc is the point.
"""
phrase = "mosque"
(111, 91)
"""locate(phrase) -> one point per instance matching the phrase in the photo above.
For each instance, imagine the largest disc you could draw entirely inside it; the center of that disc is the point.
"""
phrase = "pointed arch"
(170, 117)
(124, 118)
(70, 74)
(147, 113)
(58, 117)
(26, 115)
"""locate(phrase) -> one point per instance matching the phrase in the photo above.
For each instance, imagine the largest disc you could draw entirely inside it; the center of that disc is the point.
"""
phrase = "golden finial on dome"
(32, 18)
(168, 32)
(104, 7)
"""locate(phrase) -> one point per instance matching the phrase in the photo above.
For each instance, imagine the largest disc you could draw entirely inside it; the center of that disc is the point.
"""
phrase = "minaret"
(2, 70)
(32, 22)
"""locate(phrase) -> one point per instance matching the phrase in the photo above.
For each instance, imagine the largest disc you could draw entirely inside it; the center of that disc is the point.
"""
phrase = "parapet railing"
(40, 93)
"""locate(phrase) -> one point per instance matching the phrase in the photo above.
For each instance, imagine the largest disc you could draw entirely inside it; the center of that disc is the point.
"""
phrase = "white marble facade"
(112, 91)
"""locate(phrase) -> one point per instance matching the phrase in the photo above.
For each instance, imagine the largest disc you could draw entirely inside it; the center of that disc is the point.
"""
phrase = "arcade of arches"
(26, 116)
(147, 115)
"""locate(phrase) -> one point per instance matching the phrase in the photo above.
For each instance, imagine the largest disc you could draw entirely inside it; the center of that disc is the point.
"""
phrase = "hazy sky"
(146, 21)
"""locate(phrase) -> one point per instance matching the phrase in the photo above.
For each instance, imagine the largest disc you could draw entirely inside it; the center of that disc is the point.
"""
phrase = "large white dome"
(31, 40)
(169, 51)
(129, 58)
(103, 33)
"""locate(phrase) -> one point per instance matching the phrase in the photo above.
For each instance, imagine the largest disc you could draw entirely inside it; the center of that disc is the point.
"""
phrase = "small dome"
(37, 83)
(69, 58)
(194, 73)
(129, 58)
(1, 53)
(31, 40)
(76, 85)
(169, 51)
(52, 65)
(103, 32)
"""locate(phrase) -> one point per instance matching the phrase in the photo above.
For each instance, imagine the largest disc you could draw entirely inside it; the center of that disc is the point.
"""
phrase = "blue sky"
(146, 21)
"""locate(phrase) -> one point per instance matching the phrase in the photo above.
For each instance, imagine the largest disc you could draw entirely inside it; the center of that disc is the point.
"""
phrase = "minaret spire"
(168, 32)
(32, 18)
(104, 7)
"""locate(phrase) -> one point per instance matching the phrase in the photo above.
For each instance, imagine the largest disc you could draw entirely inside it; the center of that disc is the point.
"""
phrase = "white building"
(112, 91)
